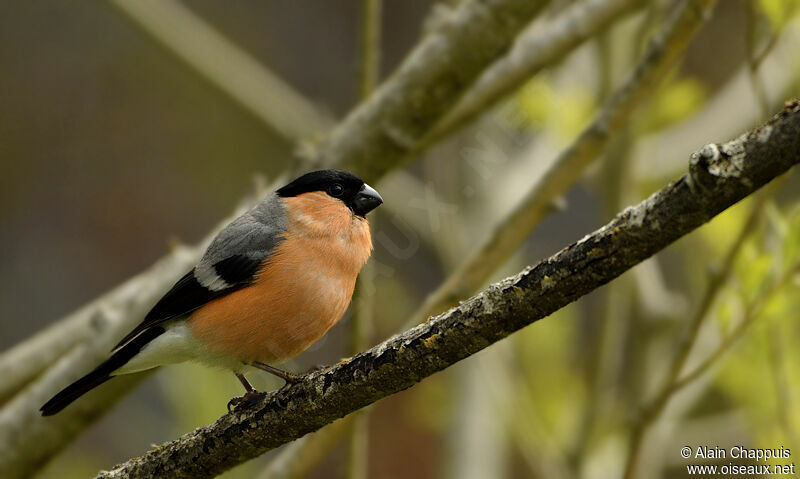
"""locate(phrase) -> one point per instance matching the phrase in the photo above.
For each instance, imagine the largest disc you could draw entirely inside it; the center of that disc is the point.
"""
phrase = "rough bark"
(718, 177)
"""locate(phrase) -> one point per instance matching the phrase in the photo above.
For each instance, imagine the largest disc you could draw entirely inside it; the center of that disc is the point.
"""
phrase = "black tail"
(101, 373)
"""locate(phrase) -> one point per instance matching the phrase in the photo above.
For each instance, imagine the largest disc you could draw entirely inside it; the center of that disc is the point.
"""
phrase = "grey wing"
(230, 263)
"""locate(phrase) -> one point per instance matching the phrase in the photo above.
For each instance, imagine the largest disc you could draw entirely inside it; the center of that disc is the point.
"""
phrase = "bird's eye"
(336, 190)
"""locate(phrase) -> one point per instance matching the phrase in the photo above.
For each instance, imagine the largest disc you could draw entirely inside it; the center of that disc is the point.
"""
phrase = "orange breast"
(304, 288)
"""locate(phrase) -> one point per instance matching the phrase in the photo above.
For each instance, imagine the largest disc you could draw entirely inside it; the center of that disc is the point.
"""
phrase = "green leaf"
(563, 112)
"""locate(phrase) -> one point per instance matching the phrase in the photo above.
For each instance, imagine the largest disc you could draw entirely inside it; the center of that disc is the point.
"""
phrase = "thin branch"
(360, 328)
(603, 351)
(718, 279)
(370, 46)
(781, 377)
(754, 58)
(511, 231)
(541, 45)
(751, 314)
(719, 176)
(730, 108)
(362, 318)
(382, 134)
(240, 76)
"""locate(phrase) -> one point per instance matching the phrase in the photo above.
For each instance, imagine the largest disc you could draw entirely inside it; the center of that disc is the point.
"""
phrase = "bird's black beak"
(366, 200)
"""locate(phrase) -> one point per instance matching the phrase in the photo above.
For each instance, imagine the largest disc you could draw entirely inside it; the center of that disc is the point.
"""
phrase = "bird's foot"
(281, 394)
(243, 402)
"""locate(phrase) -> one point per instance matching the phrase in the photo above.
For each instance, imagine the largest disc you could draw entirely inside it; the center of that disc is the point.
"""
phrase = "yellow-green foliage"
(562, 112)
(675, 101)
(719, 232)
(759, 372)
(778, 12)
(550, 390)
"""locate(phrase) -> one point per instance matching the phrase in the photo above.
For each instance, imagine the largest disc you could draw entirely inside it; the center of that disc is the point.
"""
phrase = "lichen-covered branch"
(718, 177)
(380, 134)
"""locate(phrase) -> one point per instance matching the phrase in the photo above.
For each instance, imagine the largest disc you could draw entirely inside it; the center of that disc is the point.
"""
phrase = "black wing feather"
(188, 294)
(237, 269)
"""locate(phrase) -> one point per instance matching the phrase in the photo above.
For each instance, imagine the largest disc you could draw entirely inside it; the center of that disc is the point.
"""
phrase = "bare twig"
(363, 317)
(719, 176)
(382, 134)
(755, 57)
(752, 313)
(246, 81)
(731, 108)
(607, 338)
(780, 377)
(512, 230)
(370, 46)
(718, 278)
(541, 45)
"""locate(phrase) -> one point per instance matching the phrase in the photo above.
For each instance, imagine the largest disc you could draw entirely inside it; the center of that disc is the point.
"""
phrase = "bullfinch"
(270, 284)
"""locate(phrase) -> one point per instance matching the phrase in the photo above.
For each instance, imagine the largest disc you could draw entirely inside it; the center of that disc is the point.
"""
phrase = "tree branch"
(381, 134)
(539, 46)
(718, 177)
(243, 78)
(661, 54)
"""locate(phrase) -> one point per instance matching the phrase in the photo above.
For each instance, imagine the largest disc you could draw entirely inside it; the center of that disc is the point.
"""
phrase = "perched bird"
(270, 284)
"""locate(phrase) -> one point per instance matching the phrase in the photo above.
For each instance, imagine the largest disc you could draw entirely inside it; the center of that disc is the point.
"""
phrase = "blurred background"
(113, 148)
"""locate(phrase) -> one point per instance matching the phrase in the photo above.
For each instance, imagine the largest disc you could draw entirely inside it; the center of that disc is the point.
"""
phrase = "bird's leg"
(247, 386)
(251, 396)
(286, 376)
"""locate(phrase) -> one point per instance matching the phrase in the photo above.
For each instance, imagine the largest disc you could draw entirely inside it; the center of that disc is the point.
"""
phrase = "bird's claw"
(243, 402)
(280, 394)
